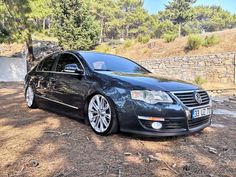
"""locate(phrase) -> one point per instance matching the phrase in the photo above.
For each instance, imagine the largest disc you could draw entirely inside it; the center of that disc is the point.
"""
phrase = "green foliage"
(199, 80)
(128, 43)
(169, 37)
(179, 12)
(213, 18)
(4, 34)
(211, 40)
(191, 27)
(81, 24)
(194, 42)
(144, 39)
(103, 48)
(165, 27)
(73, 24)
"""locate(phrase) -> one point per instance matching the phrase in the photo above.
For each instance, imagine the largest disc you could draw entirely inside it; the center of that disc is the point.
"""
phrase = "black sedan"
(113, 94)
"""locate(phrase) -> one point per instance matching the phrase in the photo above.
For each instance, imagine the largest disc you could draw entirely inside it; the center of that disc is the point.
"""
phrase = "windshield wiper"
(102, 70)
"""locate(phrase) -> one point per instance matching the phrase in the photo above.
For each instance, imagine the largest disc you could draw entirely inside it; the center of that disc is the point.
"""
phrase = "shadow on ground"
(34, 142)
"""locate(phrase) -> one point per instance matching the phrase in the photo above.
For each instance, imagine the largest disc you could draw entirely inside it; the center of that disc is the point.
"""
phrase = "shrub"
(4, 34)
(145, 51)
(198, 80)
(128, 43)
(211, 41)
(144, 39)
(114, 42)
(194, 42)
(165, 27)
(103, 48)
(169, 37)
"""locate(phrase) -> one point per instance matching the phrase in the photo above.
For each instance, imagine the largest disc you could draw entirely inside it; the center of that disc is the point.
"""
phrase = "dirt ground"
(34, 142)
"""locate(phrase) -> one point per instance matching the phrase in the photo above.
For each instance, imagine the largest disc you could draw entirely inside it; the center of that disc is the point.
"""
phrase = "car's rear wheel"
(101, 115)
(30, 97)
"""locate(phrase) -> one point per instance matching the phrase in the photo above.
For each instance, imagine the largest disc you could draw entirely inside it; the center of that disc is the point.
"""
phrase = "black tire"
(113, 125)
(33, 103)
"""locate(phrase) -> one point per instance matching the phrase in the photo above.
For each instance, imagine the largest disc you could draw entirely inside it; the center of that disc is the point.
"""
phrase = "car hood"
(150, 81)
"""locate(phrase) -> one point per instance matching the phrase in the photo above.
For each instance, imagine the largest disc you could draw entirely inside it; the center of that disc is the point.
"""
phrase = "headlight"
(151, 97)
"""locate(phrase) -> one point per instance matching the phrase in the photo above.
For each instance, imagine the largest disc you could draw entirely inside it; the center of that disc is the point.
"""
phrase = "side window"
(66, 59)
(46, 64)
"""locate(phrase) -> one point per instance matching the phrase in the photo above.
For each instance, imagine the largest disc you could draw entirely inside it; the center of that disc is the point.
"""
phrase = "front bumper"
(177, 120)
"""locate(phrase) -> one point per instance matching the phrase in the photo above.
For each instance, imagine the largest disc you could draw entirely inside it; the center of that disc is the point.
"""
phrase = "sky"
(153, 6)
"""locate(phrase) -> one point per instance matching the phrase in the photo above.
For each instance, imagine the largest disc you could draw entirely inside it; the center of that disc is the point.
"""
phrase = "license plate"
(202, 112)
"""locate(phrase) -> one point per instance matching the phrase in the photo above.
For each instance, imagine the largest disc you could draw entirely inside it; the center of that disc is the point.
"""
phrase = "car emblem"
(198, 97)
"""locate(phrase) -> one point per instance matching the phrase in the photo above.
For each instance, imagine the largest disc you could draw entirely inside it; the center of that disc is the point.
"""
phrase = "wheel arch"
(89, 97)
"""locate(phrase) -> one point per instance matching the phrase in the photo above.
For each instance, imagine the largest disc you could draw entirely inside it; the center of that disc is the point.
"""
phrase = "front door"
(70, 87)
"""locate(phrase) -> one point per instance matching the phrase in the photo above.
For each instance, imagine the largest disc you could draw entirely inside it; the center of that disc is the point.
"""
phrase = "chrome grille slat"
(187, 98)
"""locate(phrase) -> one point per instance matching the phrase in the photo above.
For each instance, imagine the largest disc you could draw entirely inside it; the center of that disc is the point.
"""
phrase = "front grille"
(188, 98)
(192, 123)
(174, 124)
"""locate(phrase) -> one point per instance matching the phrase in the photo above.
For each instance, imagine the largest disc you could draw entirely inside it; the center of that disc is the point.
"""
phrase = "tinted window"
(46, 64)
(106, 62)
(66, 59)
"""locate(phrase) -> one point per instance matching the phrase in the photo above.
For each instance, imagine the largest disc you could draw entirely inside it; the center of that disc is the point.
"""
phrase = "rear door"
(69, 88)
(43, 76)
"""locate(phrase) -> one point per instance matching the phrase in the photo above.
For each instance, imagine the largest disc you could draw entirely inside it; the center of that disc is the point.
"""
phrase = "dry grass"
(9, 50)
(161, 49)
(39, 143)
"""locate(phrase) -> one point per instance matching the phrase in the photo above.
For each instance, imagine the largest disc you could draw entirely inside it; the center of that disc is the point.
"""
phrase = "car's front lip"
(166, 133)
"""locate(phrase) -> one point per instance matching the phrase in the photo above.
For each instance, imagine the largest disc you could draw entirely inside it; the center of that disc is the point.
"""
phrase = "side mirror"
(72, 68)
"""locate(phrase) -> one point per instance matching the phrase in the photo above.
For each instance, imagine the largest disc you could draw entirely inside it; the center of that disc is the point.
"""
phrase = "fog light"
(156, 125)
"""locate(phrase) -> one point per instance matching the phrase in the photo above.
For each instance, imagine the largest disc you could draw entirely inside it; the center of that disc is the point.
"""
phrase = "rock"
(41, 50)
(211, 150)
(153, 158)
(127, 154)
(33, 163)
(186, 167)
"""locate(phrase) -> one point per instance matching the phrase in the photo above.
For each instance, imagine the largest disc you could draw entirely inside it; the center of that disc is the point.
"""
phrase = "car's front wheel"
(101, 115)
(30, 97)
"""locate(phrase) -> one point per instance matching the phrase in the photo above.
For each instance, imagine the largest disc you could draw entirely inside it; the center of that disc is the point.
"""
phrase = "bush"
(144, 39)
(211, 41)
(4, 34)
(165, 27)
(128, 43)
(194, 42)
(169, 37)
(198, 80)
(114, 42)
(103, 48)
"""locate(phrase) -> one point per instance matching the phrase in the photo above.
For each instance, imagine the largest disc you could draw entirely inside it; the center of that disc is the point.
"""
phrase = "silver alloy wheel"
(99, 113)
(29, 96)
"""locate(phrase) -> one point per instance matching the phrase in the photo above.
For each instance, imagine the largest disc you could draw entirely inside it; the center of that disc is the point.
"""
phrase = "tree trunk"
(180, 29)
(101, 32)
(29, 44)
(127, 32)
(44, 23)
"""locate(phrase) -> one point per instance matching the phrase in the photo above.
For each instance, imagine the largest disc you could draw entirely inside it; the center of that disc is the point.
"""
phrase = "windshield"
(107, 62)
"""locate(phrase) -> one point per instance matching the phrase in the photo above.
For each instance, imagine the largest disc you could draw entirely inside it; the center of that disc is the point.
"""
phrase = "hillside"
(158, 48)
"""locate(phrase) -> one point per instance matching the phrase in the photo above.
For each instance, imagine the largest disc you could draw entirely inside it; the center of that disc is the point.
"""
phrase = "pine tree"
(19, 23)
(179, 12)
(74, 25)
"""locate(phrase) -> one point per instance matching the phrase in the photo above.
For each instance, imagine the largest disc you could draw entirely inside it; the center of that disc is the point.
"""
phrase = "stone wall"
(217, 68)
